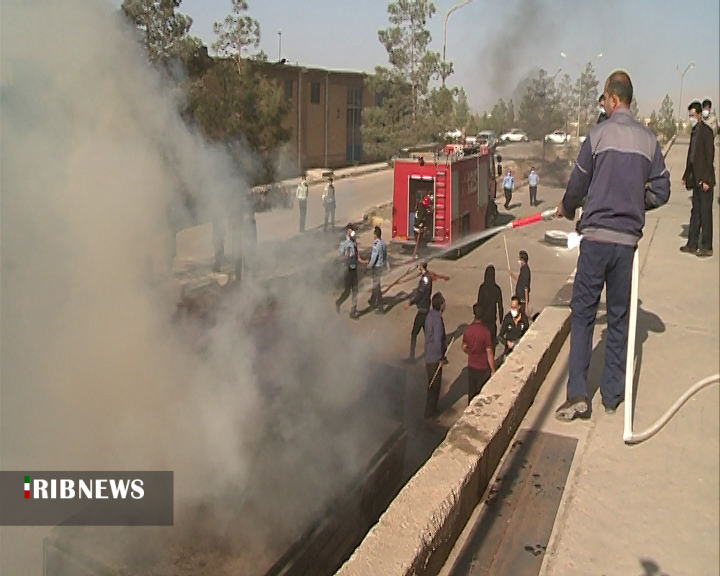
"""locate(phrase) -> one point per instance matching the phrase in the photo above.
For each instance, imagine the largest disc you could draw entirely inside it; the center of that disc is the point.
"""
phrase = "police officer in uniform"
(421, 299)
(349, 255)
(378, 260)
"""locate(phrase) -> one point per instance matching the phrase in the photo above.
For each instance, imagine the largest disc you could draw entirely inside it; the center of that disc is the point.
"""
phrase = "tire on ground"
(556, 238)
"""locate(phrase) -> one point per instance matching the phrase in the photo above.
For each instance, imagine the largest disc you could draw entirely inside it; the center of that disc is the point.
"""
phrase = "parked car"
(487, 138)
(557, 137)
(515, 135)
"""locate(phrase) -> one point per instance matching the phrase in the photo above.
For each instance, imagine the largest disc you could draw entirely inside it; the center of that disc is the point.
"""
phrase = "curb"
(420, 527)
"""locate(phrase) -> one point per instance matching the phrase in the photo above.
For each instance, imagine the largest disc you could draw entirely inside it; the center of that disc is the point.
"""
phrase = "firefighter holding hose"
(620, 173)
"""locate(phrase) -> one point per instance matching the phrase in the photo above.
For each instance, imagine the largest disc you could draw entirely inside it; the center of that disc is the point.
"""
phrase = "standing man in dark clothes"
(601, 106)
(699, 176)
(349, 255)
(514, 326)
(522, 287)
(478, 346)
(490, 301)
(435, 348)
(620, 172)
(421, 299)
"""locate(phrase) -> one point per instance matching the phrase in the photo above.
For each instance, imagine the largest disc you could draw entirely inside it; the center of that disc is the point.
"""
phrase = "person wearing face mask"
(699, 176)
(709, 117)
(349, 255)
(620, 172)
(601, 107)
(522, 287)
(514, 326)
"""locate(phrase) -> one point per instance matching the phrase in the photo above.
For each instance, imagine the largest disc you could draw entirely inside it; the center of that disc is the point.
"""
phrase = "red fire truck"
(461, 192)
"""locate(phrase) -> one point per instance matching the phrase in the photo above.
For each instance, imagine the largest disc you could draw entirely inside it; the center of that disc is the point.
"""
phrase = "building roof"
(312, 69)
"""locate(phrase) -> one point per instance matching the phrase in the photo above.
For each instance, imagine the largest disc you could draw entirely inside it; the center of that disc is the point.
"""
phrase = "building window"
(315, 92)
(354, 98)
(288, 89)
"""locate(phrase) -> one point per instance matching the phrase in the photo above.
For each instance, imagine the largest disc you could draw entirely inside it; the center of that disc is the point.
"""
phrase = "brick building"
(326, 114)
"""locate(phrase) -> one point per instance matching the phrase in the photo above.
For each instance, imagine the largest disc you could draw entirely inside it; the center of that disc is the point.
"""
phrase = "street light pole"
(445, 20)
(580, 68)
(682, 77)
(279, 45)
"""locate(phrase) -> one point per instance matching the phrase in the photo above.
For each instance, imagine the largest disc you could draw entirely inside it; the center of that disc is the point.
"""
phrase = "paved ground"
(651, 509)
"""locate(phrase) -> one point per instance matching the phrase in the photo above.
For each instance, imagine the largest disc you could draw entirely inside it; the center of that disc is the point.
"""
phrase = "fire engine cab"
(458, 194)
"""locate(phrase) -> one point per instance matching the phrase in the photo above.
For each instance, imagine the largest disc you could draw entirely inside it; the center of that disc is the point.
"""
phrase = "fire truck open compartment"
(418, 187)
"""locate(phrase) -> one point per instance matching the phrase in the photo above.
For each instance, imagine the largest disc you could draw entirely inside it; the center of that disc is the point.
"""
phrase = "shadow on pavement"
(651, 568)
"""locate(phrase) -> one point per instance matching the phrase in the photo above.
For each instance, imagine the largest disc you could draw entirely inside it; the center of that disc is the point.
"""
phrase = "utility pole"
(279, 45)
(412, 61)
(445, 21)
(682, 77)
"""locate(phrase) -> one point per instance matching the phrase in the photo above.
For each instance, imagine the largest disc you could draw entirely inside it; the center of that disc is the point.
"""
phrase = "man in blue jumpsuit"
(620, 173)
(378, 261)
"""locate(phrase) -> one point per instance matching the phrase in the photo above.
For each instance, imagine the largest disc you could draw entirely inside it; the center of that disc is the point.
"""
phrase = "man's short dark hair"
(602, 98)
(524, 256)
(515, 299)
(477, 311)
(619, 84)
(378, 231)
(707, 103)
(423, 265)
(437, 300)
(695, 105)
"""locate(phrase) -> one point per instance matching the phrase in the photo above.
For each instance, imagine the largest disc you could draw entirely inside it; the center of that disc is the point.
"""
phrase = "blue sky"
(495, 44)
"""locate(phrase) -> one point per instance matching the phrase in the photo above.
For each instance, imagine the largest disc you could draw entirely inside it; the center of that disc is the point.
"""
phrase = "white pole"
(507, 255)
(630, 361)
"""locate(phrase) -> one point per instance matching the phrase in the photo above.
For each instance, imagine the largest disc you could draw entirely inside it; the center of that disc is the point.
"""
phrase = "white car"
(515, 135)
(557, 137)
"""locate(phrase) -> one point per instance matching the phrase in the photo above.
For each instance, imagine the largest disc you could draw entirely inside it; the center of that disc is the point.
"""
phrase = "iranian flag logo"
(27, 486)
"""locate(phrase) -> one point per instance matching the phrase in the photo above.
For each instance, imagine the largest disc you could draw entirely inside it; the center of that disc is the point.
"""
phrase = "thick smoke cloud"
(94, 375)
(527, 35)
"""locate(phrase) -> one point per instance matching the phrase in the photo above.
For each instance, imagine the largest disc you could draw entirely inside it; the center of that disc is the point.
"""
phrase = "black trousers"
(508, 196)
(376, 299)
(302, 205)
(700, 232)
(476, 380)
(599, 265)
(533, 195)
(433, 393)
(351, 285)
(418, 324)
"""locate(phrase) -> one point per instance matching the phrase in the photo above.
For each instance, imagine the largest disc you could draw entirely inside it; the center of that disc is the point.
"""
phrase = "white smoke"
(94, 376)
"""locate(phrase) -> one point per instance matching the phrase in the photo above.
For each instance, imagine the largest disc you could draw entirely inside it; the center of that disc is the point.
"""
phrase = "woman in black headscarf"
(490, 300)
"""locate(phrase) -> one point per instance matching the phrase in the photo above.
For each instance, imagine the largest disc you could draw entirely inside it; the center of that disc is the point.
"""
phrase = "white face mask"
(693, 121)
(706, 113)
(514, 313)
(520, 263)
(602, 109)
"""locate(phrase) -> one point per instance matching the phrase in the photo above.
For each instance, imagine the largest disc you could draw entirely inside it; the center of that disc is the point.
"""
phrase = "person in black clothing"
(522, 288)
(491, 302)
(514, 326)
(421, 299)
(699, 177)
(601, 105)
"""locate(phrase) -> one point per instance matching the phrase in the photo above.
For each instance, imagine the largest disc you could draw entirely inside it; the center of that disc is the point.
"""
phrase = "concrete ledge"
(416, 533)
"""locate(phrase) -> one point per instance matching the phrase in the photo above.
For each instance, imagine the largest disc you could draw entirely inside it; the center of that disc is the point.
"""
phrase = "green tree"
(567, 101)
(461, 109)
(473, 125)
(163, 28)
(634, 108)
(500, 119)
(653, 125)
(586, 89)
(540, 112)
(666, 124)
(406, 42)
